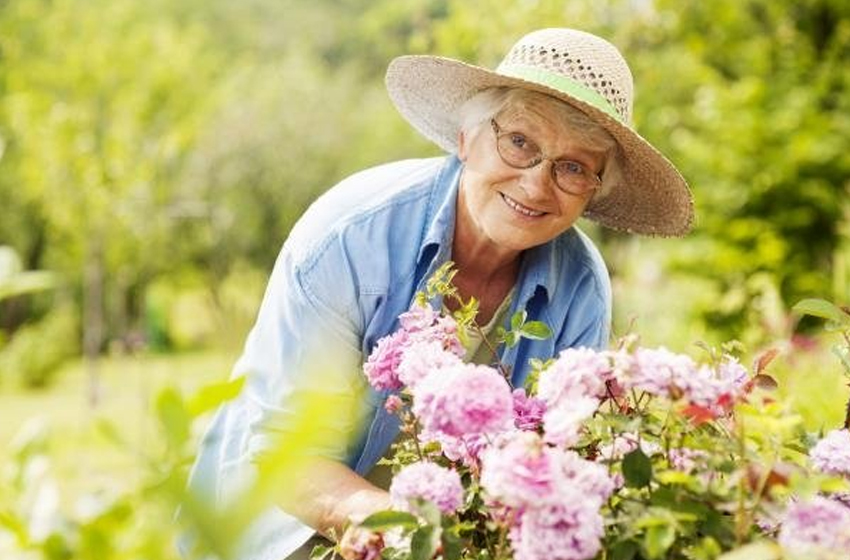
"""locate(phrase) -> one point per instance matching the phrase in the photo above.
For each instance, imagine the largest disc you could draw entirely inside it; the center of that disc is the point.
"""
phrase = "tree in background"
(102, 102)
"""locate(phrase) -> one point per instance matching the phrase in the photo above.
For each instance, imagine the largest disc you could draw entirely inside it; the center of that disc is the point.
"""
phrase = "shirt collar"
(442, 206)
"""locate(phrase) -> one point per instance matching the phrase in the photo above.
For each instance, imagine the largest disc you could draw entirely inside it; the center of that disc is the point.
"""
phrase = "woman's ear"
(461, 146)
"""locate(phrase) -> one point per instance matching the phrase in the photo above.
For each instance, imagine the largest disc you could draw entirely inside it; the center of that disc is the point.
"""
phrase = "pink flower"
(430, 482)
(831, 455)
(623, 444)
(571, 530)
(423, 324)
(528, 411)
(710, 392)
(577, 373)
(714, 390)
(418, 318)
(381, 368)
(465, 448)
(521, 470)
(562, 423)
(818, 528)
(393, 404)
(592, 478)
(464, 399)
(421, 358)
(658, 371)
(685, 459)
(428, 338)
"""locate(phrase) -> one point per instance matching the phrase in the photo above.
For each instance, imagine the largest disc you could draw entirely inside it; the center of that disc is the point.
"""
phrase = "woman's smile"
(520, 208)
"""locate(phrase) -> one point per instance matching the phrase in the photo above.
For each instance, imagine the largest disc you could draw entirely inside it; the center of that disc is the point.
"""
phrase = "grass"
(81, 457)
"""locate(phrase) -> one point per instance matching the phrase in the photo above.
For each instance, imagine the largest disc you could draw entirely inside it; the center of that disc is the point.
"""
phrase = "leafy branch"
(440, 285)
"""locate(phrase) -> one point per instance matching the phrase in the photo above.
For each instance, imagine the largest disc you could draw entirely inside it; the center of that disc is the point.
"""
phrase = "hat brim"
(653, 198)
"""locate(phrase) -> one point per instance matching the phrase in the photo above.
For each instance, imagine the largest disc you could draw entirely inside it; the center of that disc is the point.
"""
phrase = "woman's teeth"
(520, 208)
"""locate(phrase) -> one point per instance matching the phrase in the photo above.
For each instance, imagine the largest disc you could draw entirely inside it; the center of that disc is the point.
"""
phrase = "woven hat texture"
(580, 69)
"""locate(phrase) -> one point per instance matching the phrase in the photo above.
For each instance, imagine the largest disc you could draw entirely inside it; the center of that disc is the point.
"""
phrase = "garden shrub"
(36, 351)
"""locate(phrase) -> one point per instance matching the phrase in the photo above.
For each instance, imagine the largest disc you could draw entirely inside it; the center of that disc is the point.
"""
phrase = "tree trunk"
(93, 323)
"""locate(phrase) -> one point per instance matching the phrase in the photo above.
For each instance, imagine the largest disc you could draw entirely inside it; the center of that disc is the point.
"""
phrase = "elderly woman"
(534, 145)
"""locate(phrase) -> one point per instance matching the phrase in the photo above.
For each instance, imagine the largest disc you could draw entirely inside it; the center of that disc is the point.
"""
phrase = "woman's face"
(517, 209)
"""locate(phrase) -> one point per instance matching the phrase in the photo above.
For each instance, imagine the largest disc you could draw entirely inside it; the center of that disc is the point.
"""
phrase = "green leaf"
(424, 542)
(510, 338)
(536, 330)
(11, 523)
(383, 520)
(760, 550)
(452, 545)
(823, 309)
(658, 539)
(428, 511)
(173, 416)
(518, 319)
(675, 477)
(211, 396)
(320, 551)
(107, 429)
(706, 549)
(637, 469)
(624, 550)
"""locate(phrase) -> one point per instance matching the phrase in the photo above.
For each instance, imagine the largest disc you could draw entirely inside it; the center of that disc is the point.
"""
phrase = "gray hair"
(488, 103)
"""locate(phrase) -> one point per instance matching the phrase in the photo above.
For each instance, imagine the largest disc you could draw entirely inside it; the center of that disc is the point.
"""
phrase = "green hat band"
(560, 83)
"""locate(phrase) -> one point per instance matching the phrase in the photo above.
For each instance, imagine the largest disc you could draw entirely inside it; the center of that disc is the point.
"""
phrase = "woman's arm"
(328, 495)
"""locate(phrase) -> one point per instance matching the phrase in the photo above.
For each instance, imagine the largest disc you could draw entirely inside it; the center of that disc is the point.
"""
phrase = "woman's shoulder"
(577, 249)
(580, 266)
(373, 206)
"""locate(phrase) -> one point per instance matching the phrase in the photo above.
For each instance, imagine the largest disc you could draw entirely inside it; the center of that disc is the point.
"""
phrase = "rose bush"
(627, 453)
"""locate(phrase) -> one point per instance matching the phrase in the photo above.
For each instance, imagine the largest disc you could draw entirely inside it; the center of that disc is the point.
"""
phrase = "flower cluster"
(427, 481)
(588, 453)
(818, 528)
(426, 341)
(831, 455)
(551, 496)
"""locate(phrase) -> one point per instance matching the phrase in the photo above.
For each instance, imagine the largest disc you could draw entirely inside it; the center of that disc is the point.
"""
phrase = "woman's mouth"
(517, 207)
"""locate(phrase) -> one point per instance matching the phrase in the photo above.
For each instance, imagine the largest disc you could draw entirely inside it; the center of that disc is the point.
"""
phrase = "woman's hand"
(360, 544)
(328, 496)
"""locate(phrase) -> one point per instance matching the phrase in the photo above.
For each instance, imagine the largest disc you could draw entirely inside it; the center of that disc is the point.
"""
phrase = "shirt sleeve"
(303, 358)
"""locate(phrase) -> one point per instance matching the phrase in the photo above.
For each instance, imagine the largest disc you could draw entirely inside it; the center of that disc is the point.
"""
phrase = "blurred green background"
(154, 155)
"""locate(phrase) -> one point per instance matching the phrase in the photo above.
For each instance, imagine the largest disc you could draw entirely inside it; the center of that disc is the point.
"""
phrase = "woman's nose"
(537, 181)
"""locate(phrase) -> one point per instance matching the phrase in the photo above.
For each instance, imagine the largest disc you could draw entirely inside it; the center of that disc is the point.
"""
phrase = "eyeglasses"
(520, 152)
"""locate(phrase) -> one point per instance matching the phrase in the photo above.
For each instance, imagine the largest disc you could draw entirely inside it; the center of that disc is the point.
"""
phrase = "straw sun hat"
(580, 69)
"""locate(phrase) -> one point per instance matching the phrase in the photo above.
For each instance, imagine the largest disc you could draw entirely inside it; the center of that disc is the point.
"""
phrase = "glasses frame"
(594, 181)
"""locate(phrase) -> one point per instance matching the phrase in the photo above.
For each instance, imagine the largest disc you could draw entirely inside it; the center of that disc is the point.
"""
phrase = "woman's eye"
(568, 167)
(519, 140)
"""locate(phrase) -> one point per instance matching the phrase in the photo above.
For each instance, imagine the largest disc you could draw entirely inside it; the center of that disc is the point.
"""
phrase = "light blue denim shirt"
(350, 266)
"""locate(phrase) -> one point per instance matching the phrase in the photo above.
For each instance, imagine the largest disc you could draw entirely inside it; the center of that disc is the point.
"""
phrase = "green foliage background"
(144, 142)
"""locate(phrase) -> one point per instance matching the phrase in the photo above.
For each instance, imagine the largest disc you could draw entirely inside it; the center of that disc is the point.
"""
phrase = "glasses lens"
(517, 150)
(572, 177)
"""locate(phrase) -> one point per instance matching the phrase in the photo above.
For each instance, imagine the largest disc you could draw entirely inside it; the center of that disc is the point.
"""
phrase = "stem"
(846, 335)
(740, 514)
(414, 433)
(503, 533)
(847, 414)
(493, 352)
(613, 398)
